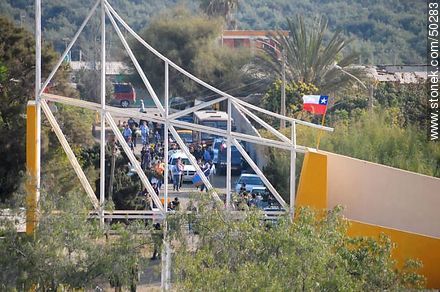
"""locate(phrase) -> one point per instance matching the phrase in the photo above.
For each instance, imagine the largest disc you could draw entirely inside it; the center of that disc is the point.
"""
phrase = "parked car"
(236, 159)
(124, 94)
(188, 168)
(251, 181)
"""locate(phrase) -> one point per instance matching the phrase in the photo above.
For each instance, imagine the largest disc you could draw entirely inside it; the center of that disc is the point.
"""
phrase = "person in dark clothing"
(134, 135)
(198, 153)
(175, 204)
(206, 171)
(242, 188)
(157, 236)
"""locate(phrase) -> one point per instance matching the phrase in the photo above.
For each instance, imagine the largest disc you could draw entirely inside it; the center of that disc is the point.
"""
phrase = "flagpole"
(320, 131)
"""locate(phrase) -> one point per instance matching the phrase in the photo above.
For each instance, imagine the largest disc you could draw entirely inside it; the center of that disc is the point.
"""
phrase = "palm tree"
(309, 58)
(223, 8)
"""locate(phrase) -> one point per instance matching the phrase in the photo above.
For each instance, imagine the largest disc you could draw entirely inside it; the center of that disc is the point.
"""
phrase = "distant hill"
(389, 31)
(386, 31)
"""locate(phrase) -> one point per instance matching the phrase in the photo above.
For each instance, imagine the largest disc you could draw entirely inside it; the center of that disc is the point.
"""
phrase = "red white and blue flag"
(316, 104)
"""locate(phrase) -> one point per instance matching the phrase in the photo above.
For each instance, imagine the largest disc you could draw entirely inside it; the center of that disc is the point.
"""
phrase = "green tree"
(223, 8)
(191, 41)
(294, 93)
(376, 136)
(312, 59)
(312, 253)
(17, 58)
(69, 250)
(408, 99)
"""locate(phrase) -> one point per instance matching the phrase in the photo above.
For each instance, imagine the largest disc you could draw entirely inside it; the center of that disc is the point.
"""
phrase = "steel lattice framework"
(169, 121)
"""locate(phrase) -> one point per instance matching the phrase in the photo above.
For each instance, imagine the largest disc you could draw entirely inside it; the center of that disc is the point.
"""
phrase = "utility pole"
(102, 137)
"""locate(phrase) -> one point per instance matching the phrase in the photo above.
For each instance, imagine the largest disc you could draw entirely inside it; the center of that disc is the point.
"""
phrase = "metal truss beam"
(134, 162)
(69, 47)
(176, 123)
(193, 162)
(196, 108)
(136, 63)
(275, 115)
(261, 122)
(70, 155)
(260, 174)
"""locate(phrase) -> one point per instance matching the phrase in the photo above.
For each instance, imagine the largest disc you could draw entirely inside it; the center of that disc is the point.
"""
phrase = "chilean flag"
(316, 104)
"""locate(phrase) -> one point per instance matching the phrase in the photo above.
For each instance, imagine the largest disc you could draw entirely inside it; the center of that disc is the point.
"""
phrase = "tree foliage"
(224, 8)
(69, 250)
(409, 100)
(294, 93)
(312, 253)
(385, 32)
(17, 57)
(310, 58)
(373, 136)
(191, 42)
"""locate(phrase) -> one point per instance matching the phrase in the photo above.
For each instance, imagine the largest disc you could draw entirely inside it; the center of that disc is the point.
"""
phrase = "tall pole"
(228, 156)
(37, 96)
(283, 90)
(293, 171)
(166, 254)
(102, 156)
(165, 136)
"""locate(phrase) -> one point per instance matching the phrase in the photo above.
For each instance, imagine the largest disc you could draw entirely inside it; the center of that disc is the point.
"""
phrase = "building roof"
(212, 115)
(404, 74)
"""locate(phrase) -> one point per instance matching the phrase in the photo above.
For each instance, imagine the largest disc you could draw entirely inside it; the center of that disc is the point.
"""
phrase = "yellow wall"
(312, 187)
(31, 167)
(382, 195)
(314, 191)
(408, 245)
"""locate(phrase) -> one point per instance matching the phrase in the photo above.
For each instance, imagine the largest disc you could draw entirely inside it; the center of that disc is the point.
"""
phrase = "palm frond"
(310, 58)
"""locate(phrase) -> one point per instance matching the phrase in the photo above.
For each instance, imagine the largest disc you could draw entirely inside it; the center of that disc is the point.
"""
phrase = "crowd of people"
(151, 156)
(245, 200)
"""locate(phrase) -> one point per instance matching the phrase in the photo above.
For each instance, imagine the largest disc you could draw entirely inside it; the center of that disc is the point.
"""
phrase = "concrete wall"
(378, 193)
(381, 195)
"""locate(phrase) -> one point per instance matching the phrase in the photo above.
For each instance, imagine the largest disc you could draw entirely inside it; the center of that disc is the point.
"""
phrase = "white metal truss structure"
(165, 118)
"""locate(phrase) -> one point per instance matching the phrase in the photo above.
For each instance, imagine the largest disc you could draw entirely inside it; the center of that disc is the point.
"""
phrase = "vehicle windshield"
(251, 180)
(210, 124)
(185, 161)
(186, 137)
(235, 154)
(222, 125)
(188, 119)
(214, 124)
(123, 88)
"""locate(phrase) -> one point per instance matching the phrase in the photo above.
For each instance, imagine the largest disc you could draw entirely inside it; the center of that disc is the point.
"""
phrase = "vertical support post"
(293, 171)
(37, 175)
(165, 137)
(166, 253)
(283, 90)
(228, 156)
(102, 138)
(31, 167)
